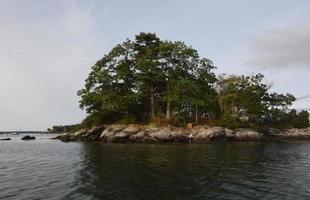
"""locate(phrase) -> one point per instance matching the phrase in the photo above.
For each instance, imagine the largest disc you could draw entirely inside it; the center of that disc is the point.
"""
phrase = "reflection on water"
(48, 169)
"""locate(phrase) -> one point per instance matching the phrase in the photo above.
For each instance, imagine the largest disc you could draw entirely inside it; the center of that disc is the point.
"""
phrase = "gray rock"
(229, 134)
(293, 134)
(131, 129)
(151, 129)
(122, 134)
(142, 137)
(28, 137)
(65, 137)
(163, 135)
(210, 134)
(5, 139)
(182, 138)
(106, 133)
(247, 135)
(94, 134)
(79, 132)
(117, 127)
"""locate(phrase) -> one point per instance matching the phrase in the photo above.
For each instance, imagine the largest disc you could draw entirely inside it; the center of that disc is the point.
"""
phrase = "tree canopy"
(150, 80)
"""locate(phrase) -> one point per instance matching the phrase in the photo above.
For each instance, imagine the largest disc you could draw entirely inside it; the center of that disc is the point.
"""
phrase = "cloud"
(303, 97)
(283, 48)
(43, 62)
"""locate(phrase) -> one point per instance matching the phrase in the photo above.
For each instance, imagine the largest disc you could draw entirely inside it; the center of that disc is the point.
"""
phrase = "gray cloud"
(43, 64)
(283, 48)
(304, 97)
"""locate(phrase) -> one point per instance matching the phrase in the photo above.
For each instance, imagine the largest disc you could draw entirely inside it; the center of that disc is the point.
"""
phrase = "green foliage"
(64, 129)
(246, 102)
(178, 120)
(298, 120)
(148, 79)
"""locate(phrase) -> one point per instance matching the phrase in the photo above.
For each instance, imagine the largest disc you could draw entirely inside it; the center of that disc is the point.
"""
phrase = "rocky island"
(153, 81)
(119, 133)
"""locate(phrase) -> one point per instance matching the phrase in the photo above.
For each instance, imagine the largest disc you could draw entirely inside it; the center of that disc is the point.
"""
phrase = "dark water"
(50, 169)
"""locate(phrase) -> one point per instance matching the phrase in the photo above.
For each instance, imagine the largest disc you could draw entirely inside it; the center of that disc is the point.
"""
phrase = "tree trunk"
(168, 110)
(152, 104)
(196, 113)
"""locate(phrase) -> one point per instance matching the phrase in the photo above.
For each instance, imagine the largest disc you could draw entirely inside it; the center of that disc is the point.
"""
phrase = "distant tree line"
(65, 129)
(148, 80)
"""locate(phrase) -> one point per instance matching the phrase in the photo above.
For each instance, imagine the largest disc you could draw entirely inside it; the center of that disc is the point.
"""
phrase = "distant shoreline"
(23, 132)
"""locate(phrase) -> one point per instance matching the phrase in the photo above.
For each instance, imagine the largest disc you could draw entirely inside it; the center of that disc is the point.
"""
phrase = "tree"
(300, 120)
(146, 46)
(246, 100)
(109, 87)
(188, 78)
(148, 79)
(147, 72)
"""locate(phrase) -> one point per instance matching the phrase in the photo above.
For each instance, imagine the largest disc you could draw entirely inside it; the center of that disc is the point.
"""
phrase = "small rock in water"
(5, 139)
(28, 137)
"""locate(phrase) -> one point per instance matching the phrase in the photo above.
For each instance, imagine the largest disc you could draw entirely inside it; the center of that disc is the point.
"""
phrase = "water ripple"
(49, 169)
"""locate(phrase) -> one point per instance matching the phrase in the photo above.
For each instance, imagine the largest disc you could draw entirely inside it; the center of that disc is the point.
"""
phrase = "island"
(149, 90)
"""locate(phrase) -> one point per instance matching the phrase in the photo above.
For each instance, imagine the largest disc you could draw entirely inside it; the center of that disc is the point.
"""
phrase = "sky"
(47, 47)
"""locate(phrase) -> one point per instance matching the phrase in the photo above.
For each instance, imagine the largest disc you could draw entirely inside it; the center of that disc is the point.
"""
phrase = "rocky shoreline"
(119, 133)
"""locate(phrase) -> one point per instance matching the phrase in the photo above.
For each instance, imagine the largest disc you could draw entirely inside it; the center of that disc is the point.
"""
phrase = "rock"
(142, 137)
(106, 133)
(198, 129)
(28, 137)
(110, 134)
(151, 129)
(229, 134)
(92, 134)
(247, 135)
(79, 133)
(228, 131)
(182, 138)
(132, 130)
(122, 134)
(5, 139)
(118, 133)
(117, 127)
(164, 135)
(65, 137)
(138, 137)
(210, 134)
(293, 134)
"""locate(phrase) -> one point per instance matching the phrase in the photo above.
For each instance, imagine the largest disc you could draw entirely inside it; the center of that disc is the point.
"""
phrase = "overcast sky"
(48, 46)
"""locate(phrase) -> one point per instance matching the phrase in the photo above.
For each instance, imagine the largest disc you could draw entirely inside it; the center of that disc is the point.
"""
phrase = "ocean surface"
(49, 169)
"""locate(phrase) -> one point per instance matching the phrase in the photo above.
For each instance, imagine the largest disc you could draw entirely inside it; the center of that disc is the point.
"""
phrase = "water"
(50, 169)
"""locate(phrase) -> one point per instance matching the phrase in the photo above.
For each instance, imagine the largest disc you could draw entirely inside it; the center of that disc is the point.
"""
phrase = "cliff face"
(119, 133)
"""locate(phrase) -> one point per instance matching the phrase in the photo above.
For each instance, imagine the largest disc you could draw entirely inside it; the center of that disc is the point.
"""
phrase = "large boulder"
(92, 134)
(131, 130)
(229, 134)
(247, 135)
(167, 134)
(151, 129)
(293, 134)
(65, 137)
(80, 132)
(209, 134)
(117, 127)
(28, 137)
(142, 137)
(198, 129)
(118, 133)
(182, 138)
(5, 139)
(164, 135)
